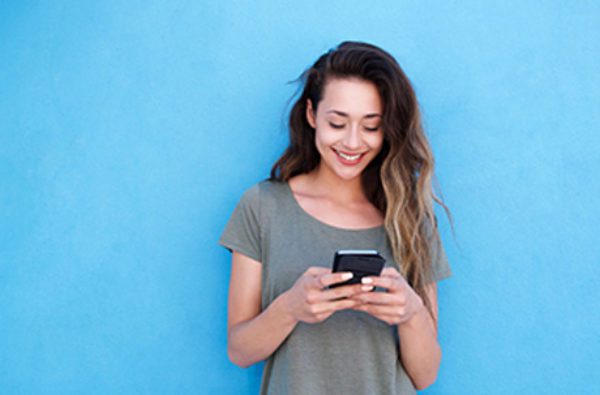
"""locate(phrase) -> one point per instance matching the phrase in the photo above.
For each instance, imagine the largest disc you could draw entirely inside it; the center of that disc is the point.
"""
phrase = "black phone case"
(361, 265)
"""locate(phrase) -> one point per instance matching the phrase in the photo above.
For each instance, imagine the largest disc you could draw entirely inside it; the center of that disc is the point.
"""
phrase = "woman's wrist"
(283, 301)
(417, 314)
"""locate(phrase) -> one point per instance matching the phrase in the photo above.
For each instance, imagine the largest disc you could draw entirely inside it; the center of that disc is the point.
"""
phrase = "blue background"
(129, 130)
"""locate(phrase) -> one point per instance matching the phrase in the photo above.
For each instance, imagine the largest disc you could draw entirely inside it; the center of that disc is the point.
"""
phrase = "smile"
(349, 159)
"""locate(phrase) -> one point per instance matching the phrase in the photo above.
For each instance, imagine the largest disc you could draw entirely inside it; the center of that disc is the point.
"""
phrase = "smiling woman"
(356, 176)
(347, 140)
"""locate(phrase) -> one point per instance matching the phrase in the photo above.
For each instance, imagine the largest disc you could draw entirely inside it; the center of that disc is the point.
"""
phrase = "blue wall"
(128, 131)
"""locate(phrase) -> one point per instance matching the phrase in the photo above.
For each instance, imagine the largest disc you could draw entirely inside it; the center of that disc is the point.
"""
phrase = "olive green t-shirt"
(351, 352)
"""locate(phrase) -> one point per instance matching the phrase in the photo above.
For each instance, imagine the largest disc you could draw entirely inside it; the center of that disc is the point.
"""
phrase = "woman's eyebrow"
(343, 114)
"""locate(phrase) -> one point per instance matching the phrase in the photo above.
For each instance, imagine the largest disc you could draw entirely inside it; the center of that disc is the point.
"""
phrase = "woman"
(356, 175)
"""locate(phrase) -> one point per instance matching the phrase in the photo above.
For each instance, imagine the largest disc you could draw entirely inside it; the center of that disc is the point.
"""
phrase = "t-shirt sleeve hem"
(442, 275)
(242, 249)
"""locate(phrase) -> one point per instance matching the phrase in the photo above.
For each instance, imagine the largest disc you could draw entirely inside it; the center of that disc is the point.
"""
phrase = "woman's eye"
(336, 126)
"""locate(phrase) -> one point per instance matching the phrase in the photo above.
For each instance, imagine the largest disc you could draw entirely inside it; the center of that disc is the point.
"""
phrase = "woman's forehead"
(351, 98)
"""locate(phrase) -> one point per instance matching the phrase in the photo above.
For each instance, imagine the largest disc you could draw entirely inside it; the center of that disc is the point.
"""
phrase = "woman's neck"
(326, 183)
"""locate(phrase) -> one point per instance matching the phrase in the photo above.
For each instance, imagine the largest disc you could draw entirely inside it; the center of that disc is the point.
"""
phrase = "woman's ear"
(310, 115)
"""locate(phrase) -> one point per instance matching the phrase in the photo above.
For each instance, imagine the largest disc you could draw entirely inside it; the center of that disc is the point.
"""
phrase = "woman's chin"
(347, 174)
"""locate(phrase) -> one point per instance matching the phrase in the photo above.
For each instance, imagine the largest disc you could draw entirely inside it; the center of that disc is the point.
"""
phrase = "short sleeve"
(440, 268)
(242, 232)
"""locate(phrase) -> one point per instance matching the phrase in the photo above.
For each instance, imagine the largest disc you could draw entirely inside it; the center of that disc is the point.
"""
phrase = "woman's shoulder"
(270, 187)
(265, 192)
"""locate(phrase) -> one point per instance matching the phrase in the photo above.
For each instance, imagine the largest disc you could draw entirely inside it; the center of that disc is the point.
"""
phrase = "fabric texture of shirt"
(351, 352)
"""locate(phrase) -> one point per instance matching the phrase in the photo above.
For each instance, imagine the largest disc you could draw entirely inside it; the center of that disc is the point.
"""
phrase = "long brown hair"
(399, 180)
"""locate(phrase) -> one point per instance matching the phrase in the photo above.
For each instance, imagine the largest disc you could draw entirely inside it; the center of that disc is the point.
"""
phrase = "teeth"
(348, 157)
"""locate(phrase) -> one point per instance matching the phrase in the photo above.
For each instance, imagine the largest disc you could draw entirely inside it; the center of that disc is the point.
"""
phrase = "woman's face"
(347, 126)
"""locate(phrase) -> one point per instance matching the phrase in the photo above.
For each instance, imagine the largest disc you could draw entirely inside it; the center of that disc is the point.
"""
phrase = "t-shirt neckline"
(305, 214)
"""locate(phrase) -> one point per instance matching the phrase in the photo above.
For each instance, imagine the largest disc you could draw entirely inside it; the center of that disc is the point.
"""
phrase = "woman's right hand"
(308, 300)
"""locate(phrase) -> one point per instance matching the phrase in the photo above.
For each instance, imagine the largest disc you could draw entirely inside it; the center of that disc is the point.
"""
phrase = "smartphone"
(362, 263)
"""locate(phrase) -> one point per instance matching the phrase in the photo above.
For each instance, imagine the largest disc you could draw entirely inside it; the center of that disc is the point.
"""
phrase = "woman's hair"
(398, 181)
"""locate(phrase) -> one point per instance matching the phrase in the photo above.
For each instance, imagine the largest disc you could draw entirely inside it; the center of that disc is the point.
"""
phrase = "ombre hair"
(398, 181)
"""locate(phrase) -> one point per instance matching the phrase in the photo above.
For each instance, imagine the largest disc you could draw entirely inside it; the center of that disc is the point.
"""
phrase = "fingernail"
(347, 276)
(367, 280)
(367, 287)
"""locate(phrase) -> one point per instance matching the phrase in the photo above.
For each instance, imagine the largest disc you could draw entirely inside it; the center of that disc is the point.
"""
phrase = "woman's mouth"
(349, 159)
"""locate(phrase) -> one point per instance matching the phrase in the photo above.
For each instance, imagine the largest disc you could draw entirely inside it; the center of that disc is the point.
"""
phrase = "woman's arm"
(253, 335)
(419, 349)
(420, 352)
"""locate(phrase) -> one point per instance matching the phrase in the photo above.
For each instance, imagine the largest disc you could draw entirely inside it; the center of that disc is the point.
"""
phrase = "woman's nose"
(352, 138)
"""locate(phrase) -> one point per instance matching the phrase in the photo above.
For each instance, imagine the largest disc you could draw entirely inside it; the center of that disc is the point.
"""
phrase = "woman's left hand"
(396, 306)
